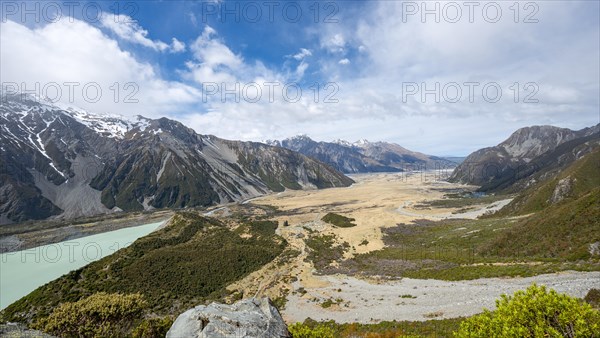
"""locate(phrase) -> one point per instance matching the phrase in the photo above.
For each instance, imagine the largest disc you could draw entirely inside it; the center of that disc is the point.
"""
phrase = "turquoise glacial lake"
(24, 271)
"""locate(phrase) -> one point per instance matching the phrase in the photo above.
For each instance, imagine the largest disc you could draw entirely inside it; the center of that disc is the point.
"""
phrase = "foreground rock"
(247, 318)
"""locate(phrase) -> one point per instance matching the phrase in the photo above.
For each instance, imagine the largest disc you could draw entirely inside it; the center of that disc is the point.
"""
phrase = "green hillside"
(187, 263)
(578, 179)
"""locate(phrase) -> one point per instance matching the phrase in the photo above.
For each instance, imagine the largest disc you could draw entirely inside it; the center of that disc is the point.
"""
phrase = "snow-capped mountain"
(64, 161)
(363, 156)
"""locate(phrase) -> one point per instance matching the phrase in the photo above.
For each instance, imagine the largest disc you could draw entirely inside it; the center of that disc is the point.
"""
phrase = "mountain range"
(363, 156)
(63, 161)
(529, 155)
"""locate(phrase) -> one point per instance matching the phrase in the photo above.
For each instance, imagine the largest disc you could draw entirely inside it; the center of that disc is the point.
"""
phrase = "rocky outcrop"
(247, 318)
(16, 330)
(562, 190)
(594, 249)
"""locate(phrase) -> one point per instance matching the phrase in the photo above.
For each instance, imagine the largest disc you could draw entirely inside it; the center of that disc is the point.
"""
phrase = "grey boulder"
(247, 318)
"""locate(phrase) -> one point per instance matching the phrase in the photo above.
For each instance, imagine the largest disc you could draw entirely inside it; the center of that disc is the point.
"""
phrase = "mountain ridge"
(72, 163)
(527, 151)
(363, 156)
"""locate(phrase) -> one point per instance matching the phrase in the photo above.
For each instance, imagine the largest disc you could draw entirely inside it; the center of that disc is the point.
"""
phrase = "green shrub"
(534, 312)
(153, 328)
(327, 303)
(338, 220)
(99, 315)
(385, 329)
(593, 298)
(300, 330)
(280, 302)
(324, 250)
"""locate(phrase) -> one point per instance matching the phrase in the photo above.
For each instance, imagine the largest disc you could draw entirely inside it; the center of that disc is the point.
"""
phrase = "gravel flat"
(367, 302)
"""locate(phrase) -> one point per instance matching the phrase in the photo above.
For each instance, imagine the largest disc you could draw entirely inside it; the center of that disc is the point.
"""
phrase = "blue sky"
(385, 70)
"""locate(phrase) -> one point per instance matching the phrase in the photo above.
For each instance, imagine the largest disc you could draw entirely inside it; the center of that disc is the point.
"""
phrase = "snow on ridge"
(342, 142)
(111, 125)
(362, 143)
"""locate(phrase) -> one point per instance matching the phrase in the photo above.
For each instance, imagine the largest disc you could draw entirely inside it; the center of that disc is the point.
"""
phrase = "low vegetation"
(469, 249)
(189, 262)
(99, 315)
(460, 200)
(323, 251)
(535, 312)
(559, 232)
(593, 298)
(338, 220)
(387, 329)
(564, 231)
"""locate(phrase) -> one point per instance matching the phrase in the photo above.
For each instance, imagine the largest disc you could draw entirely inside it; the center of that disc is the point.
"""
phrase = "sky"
(440, 77)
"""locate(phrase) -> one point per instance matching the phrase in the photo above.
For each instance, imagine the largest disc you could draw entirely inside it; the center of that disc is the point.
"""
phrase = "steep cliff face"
(68, 162)
(528, 151)
(363, 156)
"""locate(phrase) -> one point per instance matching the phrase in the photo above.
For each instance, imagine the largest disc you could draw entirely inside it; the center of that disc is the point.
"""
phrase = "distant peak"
(342, 142)
(362, 142)
(299, 138)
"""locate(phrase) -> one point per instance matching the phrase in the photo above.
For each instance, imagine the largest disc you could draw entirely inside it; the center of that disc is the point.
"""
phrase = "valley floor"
(368, 301)
(377, 202)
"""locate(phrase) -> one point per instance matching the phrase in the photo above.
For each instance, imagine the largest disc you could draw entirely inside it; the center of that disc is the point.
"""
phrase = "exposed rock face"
(363, 156)
(562, 190)
(595, 249)
(537, 150)
(16, 330)
(247, 318)
(70, 163)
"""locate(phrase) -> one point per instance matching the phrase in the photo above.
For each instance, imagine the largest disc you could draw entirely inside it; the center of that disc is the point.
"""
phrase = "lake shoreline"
(11, 240)
(25, 270)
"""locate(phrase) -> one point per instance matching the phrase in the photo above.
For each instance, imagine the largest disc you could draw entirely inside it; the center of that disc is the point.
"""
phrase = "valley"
(361, 275)
(299, 169)
(400, 247)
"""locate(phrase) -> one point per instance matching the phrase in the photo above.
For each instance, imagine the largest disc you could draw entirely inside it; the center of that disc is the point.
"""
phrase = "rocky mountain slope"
(573, 183)
(68, 162)
(561, 214)
(363, 156)
(528, 155)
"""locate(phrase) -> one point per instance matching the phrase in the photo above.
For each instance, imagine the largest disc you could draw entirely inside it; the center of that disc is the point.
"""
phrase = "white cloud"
(128, 29)
(301, 69)
(560, 54)
(78, 52)
(391, 52)
(177, 46)
(210, 50)
(302, 54)
(335, 43)
(193, 19)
